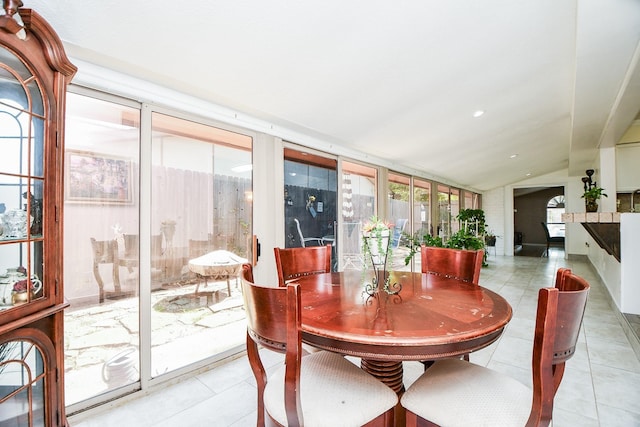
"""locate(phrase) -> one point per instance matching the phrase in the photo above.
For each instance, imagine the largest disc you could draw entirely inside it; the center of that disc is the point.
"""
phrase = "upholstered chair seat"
(459, 393)
(333, 392)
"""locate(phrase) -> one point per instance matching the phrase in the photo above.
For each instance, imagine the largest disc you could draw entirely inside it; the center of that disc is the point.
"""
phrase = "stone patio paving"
(185, 328)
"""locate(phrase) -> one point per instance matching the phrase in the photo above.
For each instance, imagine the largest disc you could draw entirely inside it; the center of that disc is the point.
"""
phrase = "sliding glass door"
(201, 208)
(156, 229)
(102, 163)
(399, 214)
(310, 197)
(359, 188)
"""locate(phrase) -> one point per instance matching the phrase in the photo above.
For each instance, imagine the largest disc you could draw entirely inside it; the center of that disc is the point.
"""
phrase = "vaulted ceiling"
(399, 80)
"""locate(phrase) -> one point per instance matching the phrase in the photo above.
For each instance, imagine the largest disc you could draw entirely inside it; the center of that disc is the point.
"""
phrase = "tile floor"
(601, 386)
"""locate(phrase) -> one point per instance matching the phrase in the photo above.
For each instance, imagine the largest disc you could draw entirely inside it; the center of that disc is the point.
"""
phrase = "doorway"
(532, 207)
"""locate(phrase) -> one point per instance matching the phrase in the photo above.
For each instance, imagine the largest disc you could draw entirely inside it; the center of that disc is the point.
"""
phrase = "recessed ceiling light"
(529, 174)
(478, 113)
(513, 156)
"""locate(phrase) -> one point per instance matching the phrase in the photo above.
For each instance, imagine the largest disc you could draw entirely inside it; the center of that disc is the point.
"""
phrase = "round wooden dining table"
(432, 317)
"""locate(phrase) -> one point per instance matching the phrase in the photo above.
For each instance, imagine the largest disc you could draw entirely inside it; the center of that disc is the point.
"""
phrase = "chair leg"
(427, 364)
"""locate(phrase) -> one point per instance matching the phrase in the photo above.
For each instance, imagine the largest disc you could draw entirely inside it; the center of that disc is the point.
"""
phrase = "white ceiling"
(399, 80)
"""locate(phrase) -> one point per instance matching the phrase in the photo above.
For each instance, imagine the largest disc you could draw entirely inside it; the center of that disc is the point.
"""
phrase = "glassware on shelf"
(14, 224)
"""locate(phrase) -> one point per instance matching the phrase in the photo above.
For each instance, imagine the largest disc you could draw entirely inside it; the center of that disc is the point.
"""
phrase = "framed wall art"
(98, 178)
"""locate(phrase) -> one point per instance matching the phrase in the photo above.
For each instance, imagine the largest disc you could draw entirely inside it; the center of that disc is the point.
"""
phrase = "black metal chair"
(556, 240)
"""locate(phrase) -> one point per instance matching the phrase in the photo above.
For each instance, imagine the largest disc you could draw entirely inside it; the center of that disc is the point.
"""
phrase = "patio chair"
(106, 252)
(398, 229)
(493, 398)
(322, 388)
(352, 258)
(304, 241)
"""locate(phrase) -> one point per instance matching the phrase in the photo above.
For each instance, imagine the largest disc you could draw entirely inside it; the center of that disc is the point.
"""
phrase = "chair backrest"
(461, 264)
(104, 251)
(274, 321)
(303, 243)
(397, 232)
(546, 231)
(292, 263)
(558, 320)
(131, 245)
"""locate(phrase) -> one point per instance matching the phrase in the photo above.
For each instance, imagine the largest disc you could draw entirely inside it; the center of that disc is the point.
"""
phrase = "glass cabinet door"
(21, 184)
(34, 73)
(22, 388)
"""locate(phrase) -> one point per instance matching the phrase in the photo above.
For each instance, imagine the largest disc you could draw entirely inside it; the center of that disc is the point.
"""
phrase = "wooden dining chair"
(293, 263)
(460, 264)
(106, 252)
(454, 392)
(322, 388)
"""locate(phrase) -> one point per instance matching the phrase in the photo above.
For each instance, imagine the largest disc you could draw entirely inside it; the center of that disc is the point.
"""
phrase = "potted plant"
(591, 197)
(490, 238)
(470, 236)
(376, 235)
(472, 220)
(462, 239)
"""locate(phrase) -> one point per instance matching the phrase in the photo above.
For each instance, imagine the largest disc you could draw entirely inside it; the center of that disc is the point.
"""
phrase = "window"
(359, 189)
(555, 209)
(399, 214)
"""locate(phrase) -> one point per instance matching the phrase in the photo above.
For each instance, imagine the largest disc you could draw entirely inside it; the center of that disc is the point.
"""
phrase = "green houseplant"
(470, 236)
(591, 197)
(473, 221)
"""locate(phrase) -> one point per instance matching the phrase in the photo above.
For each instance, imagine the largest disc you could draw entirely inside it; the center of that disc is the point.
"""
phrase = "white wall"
(627, 170)
(629, 254)
(607, 179)
(268, 196)
(576, 236)
(494, 211)
(608, 269)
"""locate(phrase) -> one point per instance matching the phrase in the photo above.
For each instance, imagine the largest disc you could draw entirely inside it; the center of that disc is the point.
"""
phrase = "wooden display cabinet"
(34, 74)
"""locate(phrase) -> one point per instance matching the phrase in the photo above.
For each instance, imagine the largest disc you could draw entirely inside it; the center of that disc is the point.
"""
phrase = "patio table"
(217, 265)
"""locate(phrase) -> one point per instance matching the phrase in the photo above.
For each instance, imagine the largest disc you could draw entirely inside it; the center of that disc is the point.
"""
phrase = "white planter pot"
(375, 243)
